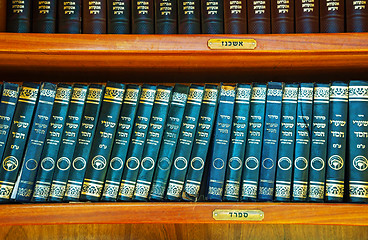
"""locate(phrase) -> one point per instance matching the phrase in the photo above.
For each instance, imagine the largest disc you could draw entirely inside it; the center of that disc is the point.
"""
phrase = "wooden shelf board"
(111, 213)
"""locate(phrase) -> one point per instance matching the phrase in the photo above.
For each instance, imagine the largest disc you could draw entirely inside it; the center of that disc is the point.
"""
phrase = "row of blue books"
(245, 142)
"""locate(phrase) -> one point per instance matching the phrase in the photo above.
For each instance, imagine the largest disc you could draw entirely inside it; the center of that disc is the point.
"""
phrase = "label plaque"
(232, 44)
(237, 215)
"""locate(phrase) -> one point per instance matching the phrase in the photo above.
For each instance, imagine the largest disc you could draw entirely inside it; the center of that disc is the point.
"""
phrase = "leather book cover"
(18, 16)
(235, 16)
(166, 16)
(94, 17)
(69, 16)
(143, 17)
(282, 16)
(356, 16)
(118, 16)
(44, 16)
(307, 16)
(212, 15)
(189, 16)
(259, 16)
(332, 16)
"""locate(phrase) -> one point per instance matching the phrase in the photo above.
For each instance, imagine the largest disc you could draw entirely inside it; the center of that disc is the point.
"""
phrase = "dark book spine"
(143, 17)
(218, 156)
(169, 143)
(307, 16)
(336, 143)
(84, 142)
(282, 16)
(7, 108)
(68, 143)
(318, 154)
(235, 17)
(189, 16)
(121, 143)
(99, 158)
(302, 142)
(19, 130)
(166, 16)
(358, 131)
(94, 16)
(69, 16)
(237, 143)
(253, 148)
(25, 183)
(44, 16)
(356, 16)
(332, 16)
(184, 145)
(201, 144)
(148, 111)
(271, 135)
(118, 16)
(52, 143)
(285, 154)
(212, 16)
(259, 16)
(18, 16)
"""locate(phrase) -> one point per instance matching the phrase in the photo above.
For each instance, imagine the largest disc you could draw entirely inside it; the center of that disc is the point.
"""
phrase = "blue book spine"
(185, 143)
(302, 142)
(285, 153)
(52, 143)
(68, 143)
(99, 158)
(84, 142)
(169, 143)
(318, 154)
(358, 132)
(202, 141)
(271, 135)
(253, 148)
(25, 183)
(7, 108)
(237, 143)
(218, 157)
(17, 140)
(121, 143)
(147, 102)
(336, 144)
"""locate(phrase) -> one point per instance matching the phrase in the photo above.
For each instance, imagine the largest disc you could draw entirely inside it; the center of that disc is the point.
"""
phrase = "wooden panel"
(275, 213)
(2, 15)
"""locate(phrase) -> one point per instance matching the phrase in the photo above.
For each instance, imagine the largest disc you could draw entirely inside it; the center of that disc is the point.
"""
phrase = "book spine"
(259, 17)
(358, 128)
(282, 16)
(271, 135)
(121, 143)
(84, 142)
(218, 156)
(285, 154)
(307, 16)
(166, 16)
(237, 143)
(185, 143)
(68, 143)
(356, 16)
(18, 16)
(302, 142)
(151, 103)
(318, 154)
(212, 16)
(336, 143)
(44, 16)
(235, 17)
(7, 108)
(118, 16)
(170, 140)
(143, 18)
(189, 15)
(332, 16)
(254, 142)
(69, 16)
(17, 139)
(52, 143)
(94, 17)
(24, 185)
(99, 157)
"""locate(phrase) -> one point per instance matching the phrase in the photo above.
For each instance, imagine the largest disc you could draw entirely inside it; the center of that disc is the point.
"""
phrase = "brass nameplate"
(232, 44)
(238, 215)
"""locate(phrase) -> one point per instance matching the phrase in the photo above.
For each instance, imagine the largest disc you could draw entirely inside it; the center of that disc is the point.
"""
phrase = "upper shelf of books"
(85, 55)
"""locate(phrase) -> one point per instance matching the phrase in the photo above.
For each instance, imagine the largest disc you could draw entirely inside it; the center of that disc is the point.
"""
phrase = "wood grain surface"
(2, 15)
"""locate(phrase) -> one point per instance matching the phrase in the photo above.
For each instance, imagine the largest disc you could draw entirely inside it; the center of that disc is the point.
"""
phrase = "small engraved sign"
(232, 44)
(237, 215)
